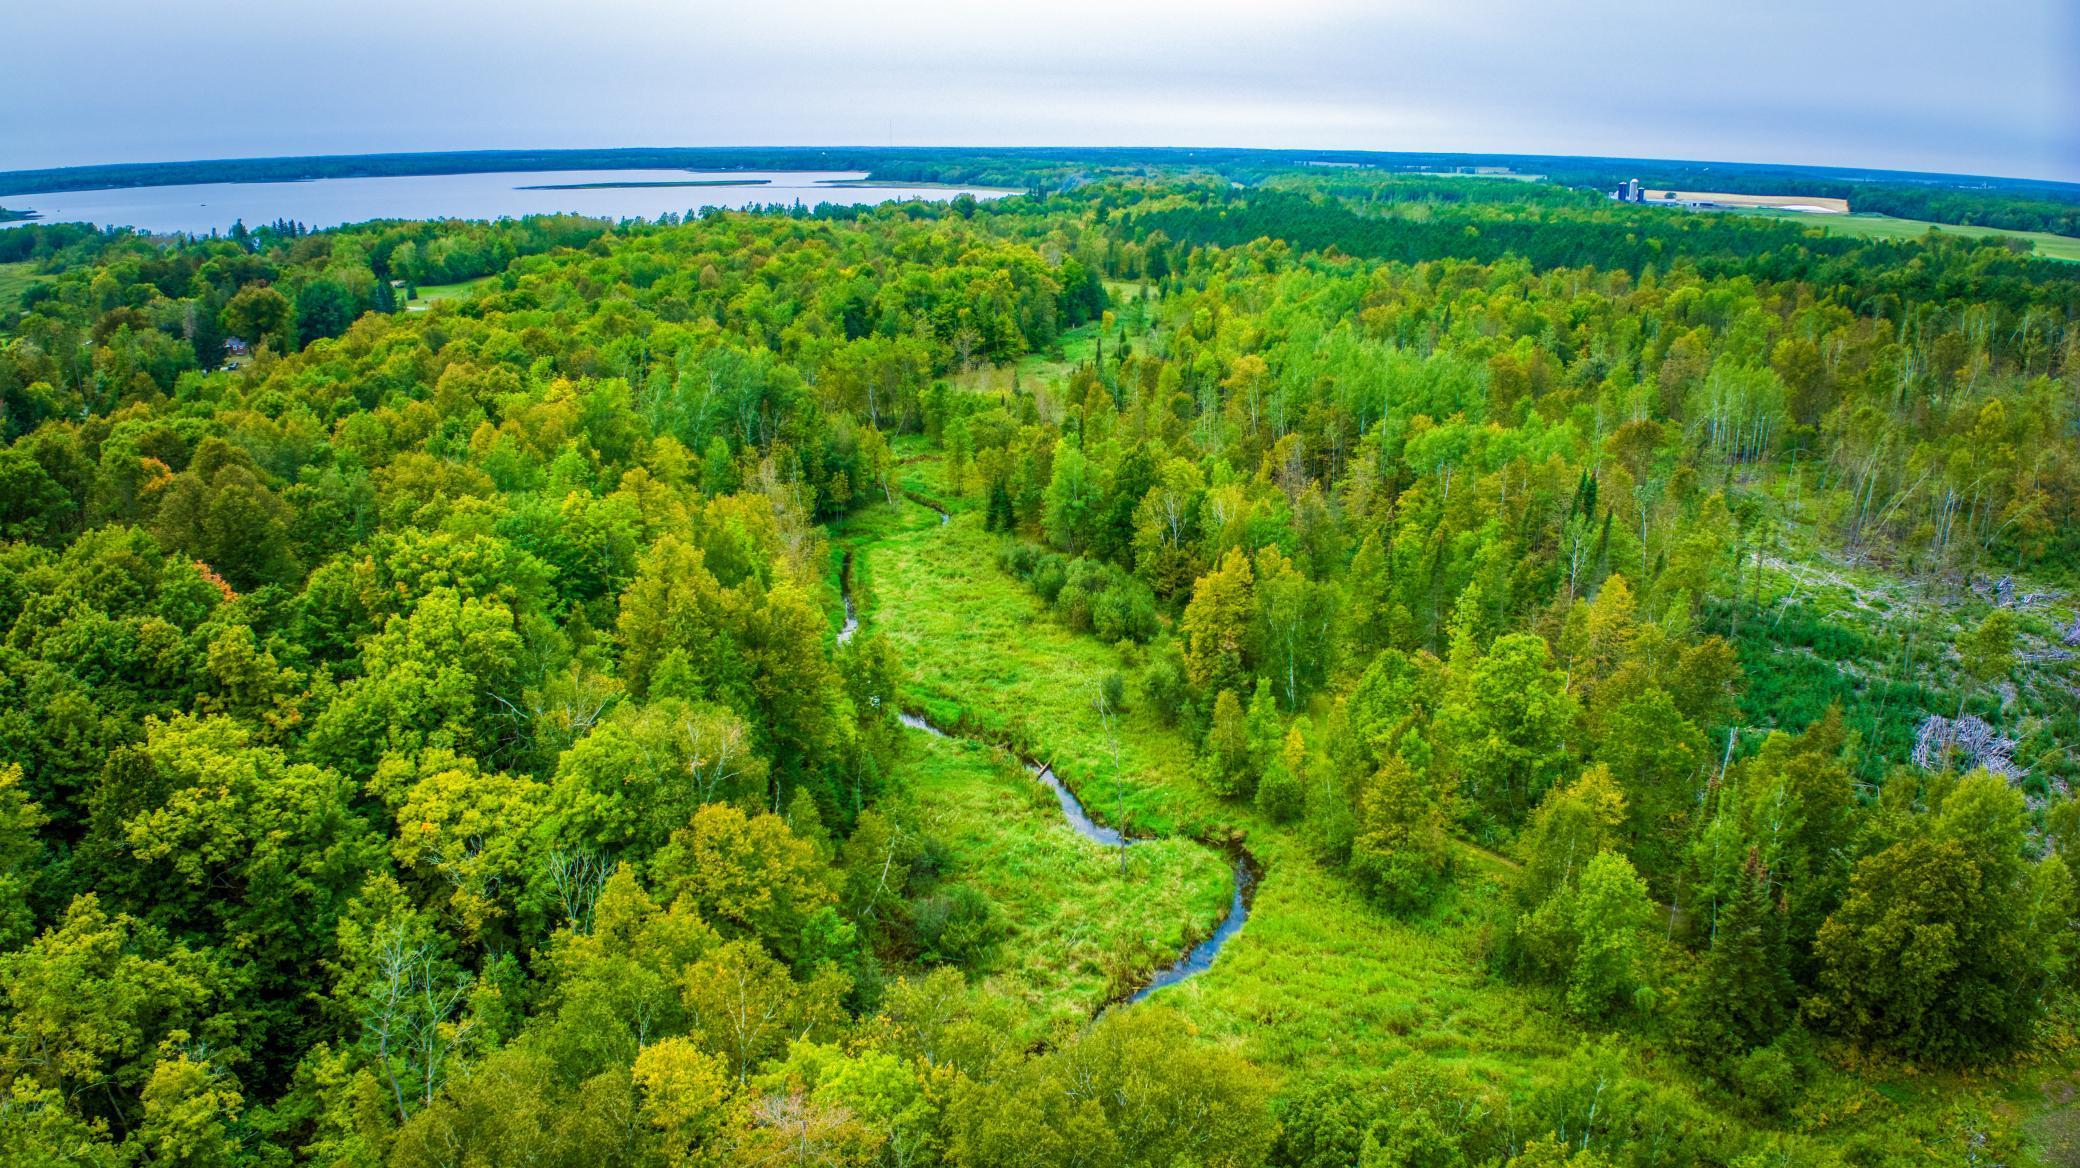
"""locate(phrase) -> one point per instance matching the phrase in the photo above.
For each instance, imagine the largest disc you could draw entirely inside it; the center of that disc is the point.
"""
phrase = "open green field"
(428, 293)
(2058, 247)
(15, 279)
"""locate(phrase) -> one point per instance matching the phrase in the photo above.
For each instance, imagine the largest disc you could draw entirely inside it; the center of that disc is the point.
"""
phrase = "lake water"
(330, 202)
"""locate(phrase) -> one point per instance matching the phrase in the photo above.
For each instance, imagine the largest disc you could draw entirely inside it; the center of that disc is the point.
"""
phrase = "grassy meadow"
(15, 279)
(2057, 247)
(1075, 934)
(430, 293)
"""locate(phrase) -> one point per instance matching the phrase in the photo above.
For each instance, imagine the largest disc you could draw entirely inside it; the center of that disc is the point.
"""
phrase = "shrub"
(956, 925)
(1125, 611)
(1114, 689)
(1772, 1078)
(1164, 687)
(1019, 559)
(1049, 577)
(1281, 795)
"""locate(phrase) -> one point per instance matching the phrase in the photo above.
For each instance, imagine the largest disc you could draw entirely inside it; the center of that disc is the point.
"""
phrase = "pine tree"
(1743, 993)
(999, 516)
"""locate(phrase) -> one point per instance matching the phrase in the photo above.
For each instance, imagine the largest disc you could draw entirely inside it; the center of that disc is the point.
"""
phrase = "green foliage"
(425, 742)
(748, 874)
(1096, 1099)
(1503, 733)
(1927, 955)
(1610, 918)
(1087, 595)
(1415, 1112)
(1399, 854)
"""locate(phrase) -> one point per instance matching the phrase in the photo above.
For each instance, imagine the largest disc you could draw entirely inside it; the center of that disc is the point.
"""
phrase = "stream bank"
(1198, 956)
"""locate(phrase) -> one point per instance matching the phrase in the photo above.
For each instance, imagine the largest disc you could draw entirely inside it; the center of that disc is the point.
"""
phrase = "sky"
(1978, 87)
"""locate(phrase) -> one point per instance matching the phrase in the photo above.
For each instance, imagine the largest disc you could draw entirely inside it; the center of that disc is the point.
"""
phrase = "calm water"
(1072, 810)
(330, 202)
(1199, 958)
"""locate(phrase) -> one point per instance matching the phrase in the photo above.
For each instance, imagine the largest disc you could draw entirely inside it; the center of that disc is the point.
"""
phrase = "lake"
(329, 202)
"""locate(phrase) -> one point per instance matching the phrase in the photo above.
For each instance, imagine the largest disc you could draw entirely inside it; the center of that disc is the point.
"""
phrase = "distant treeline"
(2017, 204)
(1860, 271)
(901, 164)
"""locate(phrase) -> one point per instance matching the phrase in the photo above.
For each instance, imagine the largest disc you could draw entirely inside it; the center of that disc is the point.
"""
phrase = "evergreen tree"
(1742, 995)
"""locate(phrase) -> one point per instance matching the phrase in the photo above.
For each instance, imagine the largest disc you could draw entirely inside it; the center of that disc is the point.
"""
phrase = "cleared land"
(2057, 247)
(428, 293)
(1806, 204)
(16, 279)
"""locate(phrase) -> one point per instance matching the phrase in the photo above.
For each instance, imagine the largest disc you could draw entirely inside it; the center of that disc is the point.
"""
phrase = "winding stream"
(1192, 961)
(851, 625)
(1072, 809)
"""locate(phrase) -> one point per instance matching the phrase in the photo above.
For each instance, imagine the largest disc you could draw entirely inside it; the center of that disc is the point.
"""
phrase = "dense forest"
(1633, 653)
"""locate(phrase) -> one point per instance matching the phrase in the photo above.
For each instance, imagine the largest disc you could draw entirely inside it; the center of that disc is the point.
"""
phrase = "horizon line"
(18, 175)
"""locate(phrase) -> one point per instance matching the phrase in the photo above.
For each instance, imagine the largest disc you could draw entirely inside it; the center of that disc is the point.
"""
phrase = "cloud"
(1858, 83)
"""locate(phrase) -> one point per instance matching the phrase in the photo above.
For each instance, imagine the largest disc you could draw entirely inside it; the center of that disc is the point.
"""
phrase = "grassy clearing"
(2057, 247)
(16, 279)
(1078, 346)
(1077, 933)
(428, 293)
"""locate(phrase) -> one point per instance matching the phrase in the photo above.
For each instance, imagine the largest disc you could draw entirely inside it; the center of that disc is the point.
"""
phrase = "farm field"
(2058, 247)
(1788, 203)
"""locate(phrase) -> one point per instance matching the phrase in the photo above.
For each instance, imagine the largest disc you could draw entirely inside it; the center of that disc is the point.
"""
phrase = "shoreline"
(632, 186)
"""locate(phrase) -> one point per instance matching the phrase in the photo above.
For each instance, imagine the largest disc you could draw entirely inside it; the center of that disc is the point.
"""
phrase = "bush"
(1164, 687)
(1019, 559)
(1114, 689)
(1072, 606)
(1125, 611)
(1087, 595)
(1049, 577)
(955, 926)
(1772, 1078)
(1281, 795)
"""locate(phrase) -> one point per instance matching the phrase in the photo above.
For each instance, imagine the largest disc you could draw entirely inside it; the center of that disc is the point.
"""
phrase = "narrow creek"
(851, 624)
(1196, 959)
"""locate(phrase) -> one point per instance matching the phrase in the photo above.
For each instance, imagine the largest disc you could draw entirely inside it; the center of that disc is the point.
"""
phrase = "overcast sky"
(1975, 86)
